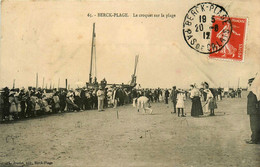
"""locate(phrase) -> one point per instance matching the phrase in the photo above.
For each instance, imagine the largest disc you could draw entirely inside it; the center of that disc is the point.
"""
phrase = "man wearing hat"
(174, 98)
(6, 104)
(253, 110)
(101, 97)
(166, 96)
(1, 105)
(22, 97)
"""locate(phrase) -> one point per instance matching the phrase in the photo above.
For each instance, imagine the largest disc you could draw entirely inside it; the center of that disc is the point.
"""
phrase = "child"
(180, 102)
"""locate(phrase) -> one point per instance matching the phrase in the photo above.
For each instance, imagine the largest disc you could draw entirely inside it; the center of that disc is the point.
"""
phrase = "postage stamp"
(234, 49)
(207, 28)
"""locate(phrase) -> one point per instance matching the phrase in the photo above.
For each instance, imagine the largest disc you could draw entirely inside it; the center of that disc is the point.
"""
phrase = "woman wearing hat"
(13, 107)
(196, 108)
(210, 100)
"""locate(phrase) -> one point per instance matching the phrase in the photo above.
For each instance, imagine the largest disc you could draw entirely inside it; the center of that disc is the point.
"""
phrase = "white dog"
(142, 102)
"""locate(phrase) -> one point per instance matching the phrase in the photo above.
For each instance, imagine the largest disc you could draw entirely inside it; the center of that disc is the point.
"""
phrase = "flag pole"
(43, 82)
(238, 82)
(66, 83)
(36, 80)
(13, 83)
(59, 83)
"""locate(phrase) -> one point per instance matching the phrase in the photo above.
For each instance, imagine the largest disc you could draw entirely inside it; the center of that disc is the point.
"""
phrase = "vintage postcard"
(130, 83)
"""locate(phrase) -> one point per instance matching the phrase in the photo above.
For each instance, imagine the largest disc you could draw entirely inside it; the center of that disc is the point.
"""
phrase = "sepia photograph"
(149, 83)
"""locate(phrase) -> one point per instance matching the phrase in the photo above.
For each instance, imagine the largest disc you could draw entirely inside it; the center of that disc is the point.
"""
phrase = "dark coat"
(174, 95)
(167, 93)
(134, 93)
(252, 104)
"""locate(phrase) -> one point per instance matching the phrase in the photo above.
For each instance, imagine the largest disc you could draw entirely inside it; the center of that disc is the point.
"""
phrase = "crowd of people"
(197, 95)
(16, 104)
(25, 103)
(205, 94)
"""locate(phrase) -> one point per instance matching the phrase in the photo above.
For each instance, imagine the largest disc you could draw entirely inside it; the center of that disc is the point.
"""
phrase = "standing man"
(62, 98)
(253, 110)
(105, 98)
(101, 97)
(159, 92)
(1, 105)
(238, 92)
(166, 96)
(22, 98)
(174, 98)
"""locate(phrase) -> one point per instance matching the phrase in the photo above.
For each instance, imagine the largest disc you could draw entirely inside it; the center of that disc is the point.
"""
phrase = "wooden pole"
(66, 83)
(14, 84)
(43, 82)
(92, 49)
(37, 80)
(59, 83)
(238, 82)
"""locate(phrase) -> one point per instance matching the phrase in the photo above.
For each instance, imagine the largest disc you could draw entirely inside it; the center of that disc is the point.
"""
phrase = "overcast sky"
(53, 38)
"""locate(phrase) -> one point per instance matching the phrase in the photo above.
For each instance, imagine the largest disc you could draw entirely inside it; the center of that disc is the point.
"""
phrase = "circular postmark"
(207, 27)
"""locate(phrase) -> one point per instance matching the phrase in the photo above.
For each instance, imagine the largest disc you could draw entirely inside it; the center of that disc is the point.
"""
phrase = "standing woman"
(13, 107)
(196, 108)
(56, 104)
(211, 103)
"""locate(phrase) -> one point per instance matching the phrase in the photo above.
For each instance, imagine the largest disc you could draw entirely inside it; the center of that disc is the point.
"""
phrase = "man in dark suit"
(253, 110)
(254, 115)
(174, 98)
(166, 96)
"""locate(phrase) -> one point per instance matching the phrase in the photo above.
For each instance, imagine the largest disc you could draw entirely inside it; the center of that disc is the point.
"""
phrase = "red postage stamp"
(235, 47)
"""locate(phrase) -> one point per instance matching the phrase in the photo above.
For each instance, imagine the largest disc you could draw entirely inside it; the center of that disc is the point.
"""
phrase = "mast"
(59, 83)
(92, 50)
(238, 83)
(36, 80)
(66, 83)
(43, 82)
(136, 62)
(14, 84)
(133, 81)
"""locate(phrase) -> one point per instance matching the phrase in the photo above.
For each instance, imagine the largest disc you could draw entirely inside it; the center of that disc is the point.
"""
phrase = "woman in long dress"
(196, 108)
(13, 107)
(211, 102)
